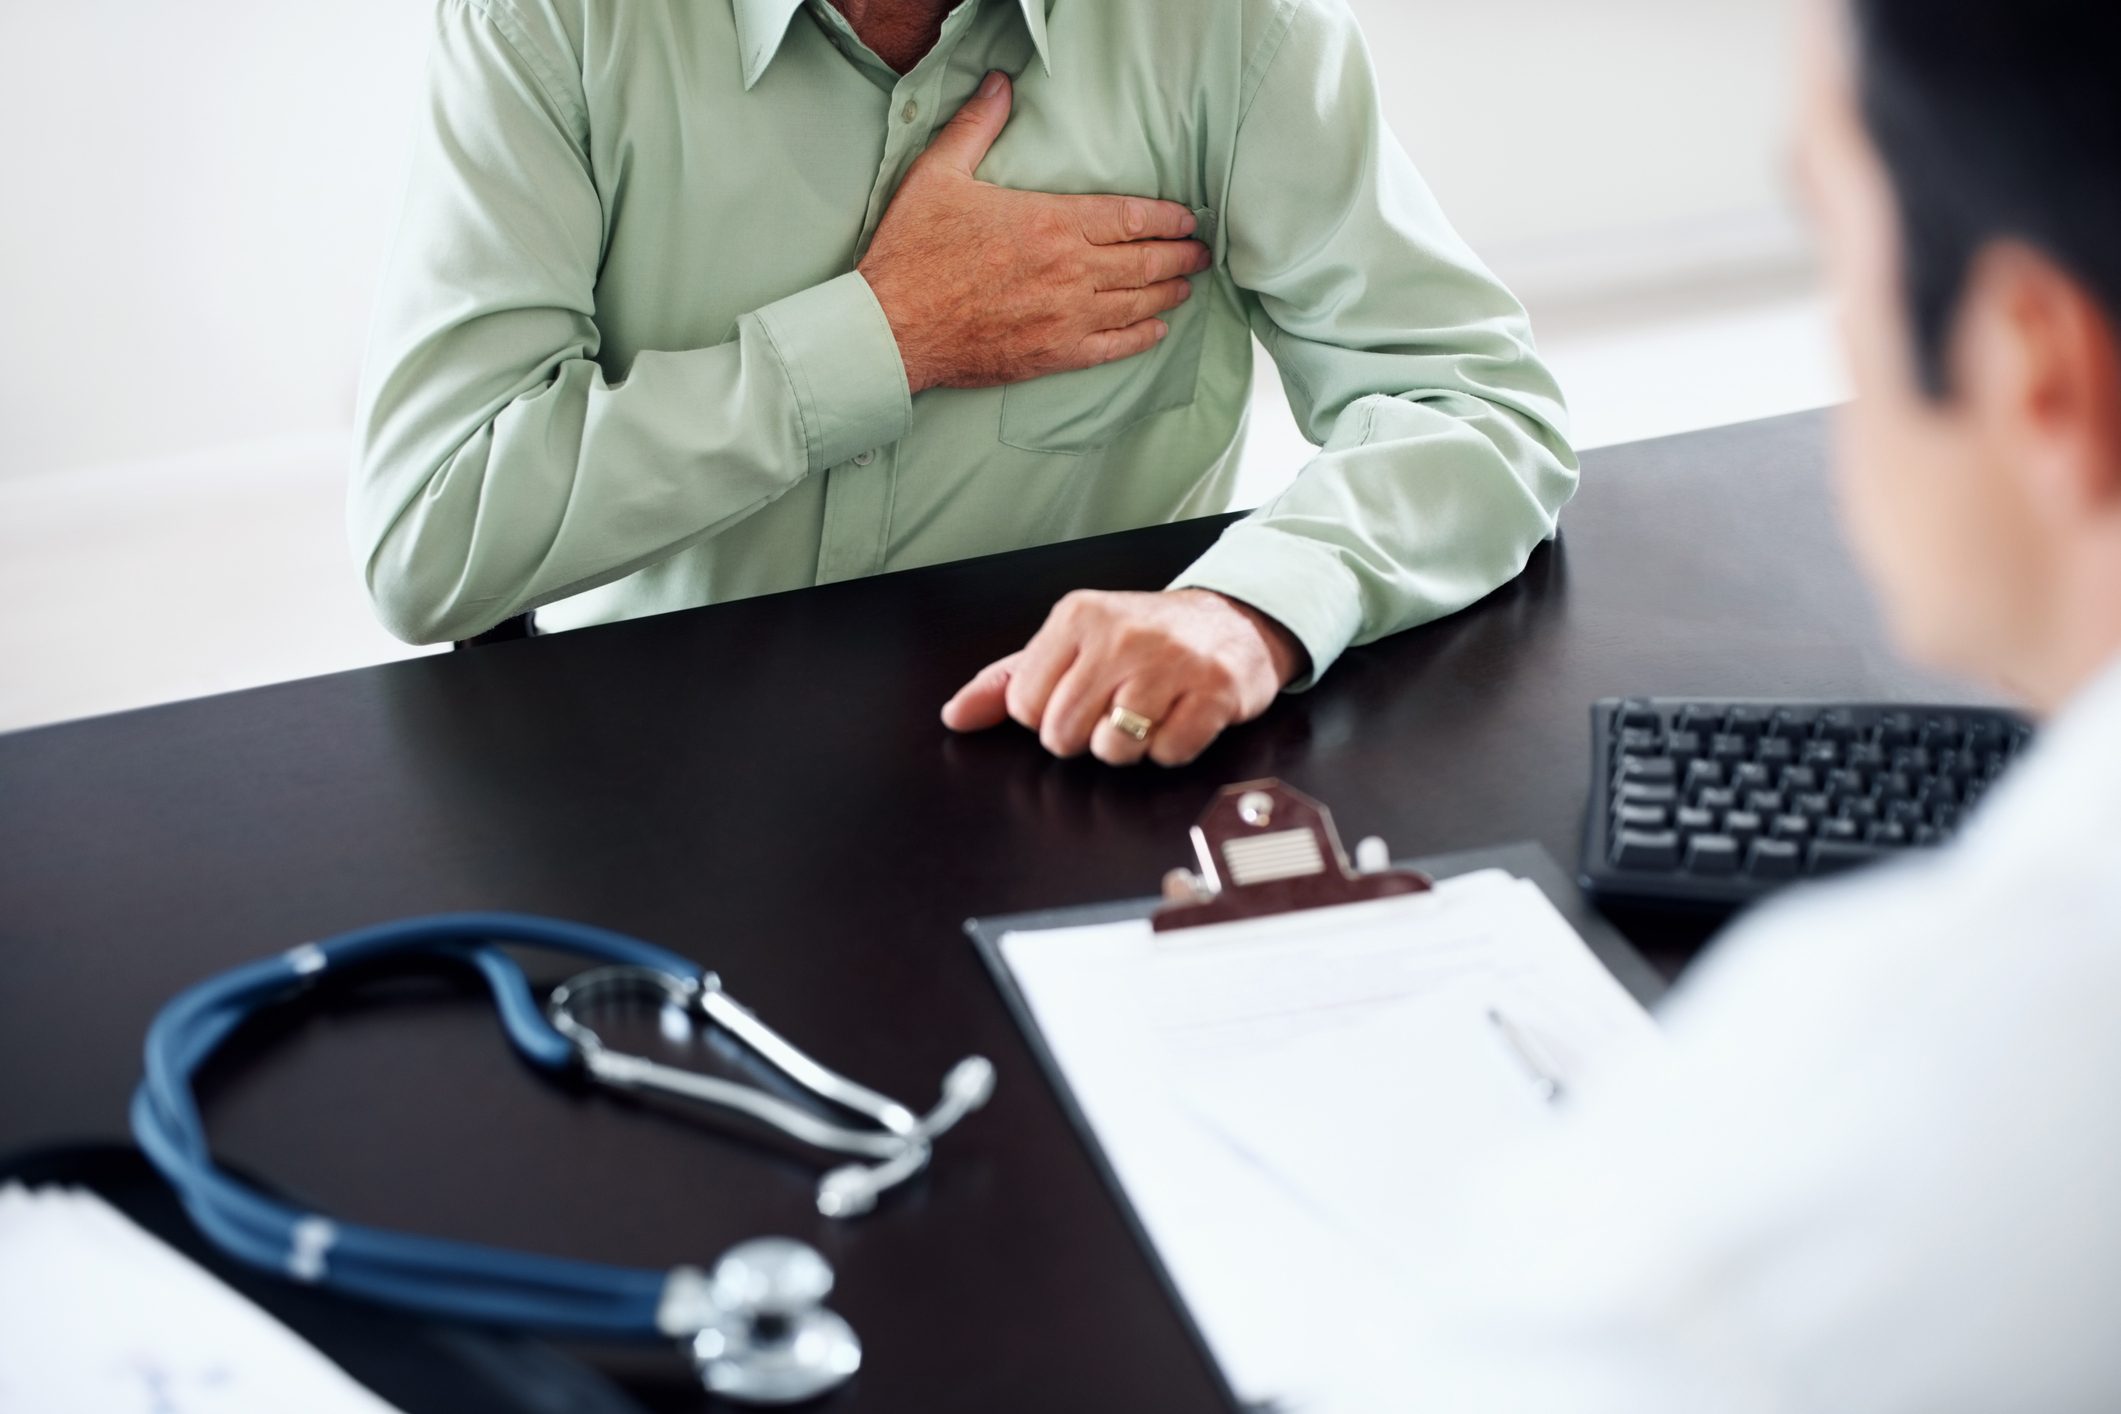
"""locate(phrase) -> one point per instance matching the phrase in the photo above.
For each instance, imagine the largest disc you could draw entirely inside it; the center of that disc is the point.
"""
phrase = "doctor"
(1880, 1170)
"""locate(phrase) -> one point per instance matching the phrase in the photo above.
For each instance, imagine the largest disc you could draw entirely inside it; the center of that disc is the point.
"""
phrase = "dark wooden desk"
(765, 785)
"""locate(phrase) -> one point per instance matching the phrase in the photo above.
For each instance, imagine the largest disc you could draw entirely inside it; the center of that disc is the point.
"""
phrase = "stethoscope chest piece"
(765, 1335)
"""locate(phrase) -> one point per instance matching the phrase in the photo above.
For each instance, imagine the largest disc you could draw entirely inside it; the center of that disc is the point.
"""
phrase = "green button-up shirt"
(622, 361)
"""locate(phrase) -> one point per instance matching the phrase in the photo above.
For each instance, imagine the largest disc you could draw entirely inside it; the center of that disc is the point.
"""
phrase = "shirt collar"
(761, 25)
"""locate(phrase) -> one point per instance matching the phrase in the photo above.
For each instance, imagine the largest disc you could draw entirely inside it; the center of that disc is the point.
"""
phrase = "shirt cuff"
(842, 360)
(1299, 583)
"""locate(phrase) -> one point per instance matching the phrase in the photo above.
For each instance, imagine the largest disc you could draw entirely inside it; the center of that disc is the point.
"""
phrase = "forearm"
(482, 492)
(1432, 504)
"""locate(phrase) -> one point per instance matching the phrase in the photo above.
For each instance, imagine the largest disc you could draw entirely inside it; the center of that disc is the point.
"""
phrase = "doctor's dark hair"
(1998, 120)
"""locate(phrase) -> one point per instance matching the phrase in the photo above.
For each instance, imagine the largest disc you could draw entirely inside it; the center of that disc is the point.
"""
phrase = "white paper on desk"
(1290, 1102)
(97, 1316)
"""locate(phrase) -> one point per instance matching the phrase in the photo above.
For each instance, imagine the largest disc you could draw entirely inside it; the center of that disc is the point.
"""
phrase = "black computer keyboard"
(1711, 804)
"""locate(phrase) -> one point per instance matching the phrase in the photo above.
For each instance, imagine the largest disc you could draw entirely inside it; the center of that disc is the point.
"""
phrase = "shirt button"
(865, 458)
(911, 111)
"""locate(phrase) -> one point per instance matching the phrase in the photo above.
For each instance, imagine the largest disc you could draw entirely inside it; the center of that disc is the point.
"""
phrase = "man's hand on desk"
(1190, 661)
(985, 286)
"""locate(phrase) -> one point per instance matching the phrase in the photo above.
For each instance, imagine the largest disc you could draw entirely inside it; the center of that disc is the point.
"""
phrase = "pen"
(1546, 1082)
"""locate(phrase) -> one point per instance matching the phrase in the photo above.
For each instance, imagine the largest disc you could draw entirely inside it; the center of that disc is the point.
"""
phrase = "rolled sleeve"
(1298, 582)
(843, 362)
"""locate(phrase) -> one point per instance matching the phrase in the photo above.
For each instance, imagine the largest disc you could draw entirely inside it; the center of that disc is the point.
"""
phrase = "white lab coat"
(1878, 1172)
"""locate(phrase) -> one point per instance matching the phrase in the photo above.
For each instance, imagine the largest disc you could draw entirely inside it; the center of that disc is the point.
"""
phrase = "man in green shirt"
(700, 299)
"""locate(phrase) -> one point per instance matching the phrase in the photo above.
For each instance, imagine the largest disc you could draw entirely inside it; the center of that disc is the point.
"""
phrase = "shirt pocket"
(1090, 408)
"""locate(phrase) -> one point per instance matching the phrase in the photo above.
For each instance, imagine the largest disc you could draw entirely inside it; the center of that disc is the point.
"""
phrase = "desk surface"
(765, 785)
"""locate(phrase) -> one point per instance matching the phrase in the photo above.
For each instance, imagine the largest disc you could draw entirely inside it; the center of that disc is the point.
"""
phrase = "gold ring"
(1133, 724)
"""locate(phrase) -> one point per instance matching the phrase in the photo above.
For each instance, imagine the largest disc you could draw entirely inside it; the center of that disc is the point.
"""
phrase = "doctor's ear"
(2037, 362)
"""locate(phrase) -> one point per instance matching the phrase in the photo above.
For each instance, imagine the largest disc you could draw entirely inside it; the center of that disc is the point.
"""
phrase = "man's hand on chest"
(985, 286)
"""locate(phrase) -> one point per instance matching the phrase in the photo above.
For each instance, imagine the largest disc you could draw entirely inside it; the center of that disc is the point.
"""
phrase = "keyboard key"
(1753, 775)
(1799, 778)
(1646, 849)
(1637, 793)
(1776, 751)
(1843, 783)
(1717, 799)
(1836, 857)
(1865, 756)
(1984, 737)
(1773, 859)
(1790, 827)
(1838, 725)
(1703, 773)
(1766, 802)
(1896, 729)
(1651, 770)
(1726, 747)
(1637, 741)
(1748, 722)
(1914, 760)
(1894, 835)
(1697, 717)
(1642, 817)
(1821, 753)
(1791, 723)
(1743, 825)
(1863, 811)
(1712, 854)
(1695, 822)
(1840, 830)
(1683, 746)
(1640, 715)
(1815, 804)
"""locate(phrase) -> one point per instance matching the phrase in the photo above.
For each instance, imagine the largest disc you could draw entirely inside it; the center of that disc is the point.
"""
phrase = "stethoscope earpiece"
(894, 1146)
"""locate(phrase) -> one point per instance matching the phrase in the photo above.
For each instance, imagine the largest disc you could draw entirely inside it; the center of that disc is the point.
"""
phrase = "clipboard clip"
(1265, 848)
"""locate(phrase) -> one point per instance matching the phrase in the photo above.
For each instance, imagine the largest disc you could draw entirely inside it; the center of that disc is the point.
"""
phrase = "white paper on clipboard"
(1291, 1102)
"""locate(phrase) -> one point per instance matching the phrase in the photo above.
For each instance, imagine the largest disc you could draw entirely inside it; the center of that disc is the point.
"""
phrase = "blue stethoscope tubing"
(454, 1280)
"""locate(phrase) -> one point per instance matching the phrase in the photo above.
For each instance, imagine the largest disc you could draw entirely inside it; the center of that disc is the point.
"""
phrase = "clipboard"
(1288, 858)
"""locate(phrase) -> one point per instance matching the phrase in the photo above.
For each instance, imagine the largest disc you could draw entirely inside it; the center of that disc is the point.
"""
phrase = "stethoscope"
(756, 1325)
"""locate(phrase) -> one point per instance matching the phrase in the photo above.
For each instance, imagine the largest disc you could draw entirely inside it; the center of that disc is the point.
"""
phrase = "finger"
(1141, 695)
(1191, 728)
(981, 703)
(1111, 220)
(1112, 345)
(1082, 696)
(963, 142)
(1042, 664)
(1119, 309)
(1138, 263)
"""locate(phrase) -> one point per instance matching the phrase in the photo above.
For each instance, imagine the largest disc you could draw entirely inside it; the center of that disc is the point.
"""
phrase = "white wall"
(199, 198)
(1589, 146)
(200, 193)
